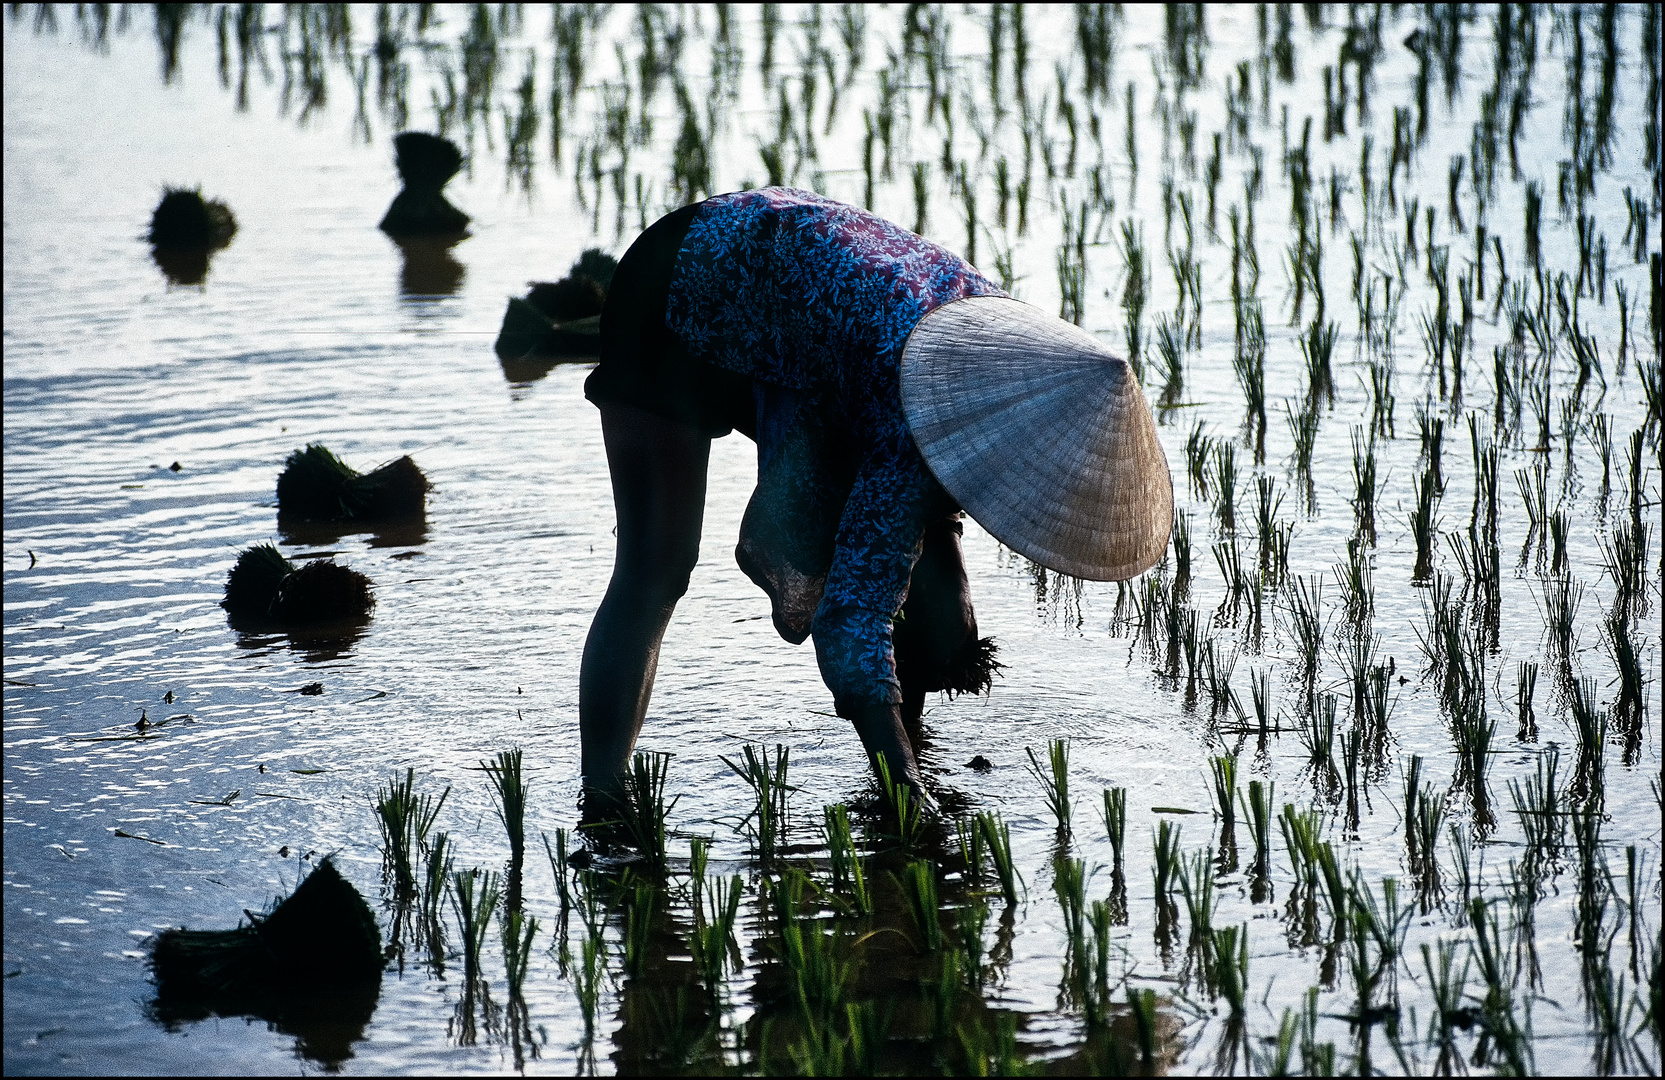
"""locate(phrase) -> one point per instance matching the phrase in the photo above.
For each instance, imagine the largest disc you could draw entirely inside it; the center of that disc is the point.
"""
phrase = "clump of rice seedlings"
(559, 319)
(263, 585)
(1449, 984)
(1054, 780)
(1561, 597)
(819, 978)
(643, 808)
(1358, 591)
(315, 485)
(184, 220)
(1306, 596)
(1424, 526)
(1225, 485)
(1537, 803)
(1223, 771)
(1316, 346)
(1629, 707)
(322, 937)
(1170, 348)
(1136, 288)
(1590, 730)
(1181, 542)
(1625, 558)
(766, 776)
(1115, 822)
(473, 895)
(1635, 462)
(1431, 432)
(1217, 678)
(1257, 809)
(1365, 486)
(997, 838)
(1249, 362)
(1260, 691)
(1317, 732)
(1472, 732)
(847, 874)
(1303, 427)
(1300, 837)
(899, 797)
(426, 163)
(1199, 451)
(509, 786)
(405, 818)
(1069, 882)
(592, 966)
(1526, 679)
(1268, 501)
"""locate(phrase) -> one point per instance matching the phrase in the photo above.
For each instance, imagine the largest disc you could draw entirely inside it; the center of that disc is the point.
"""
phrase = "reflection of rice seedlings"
(1625, 558)
(767, 778)
(474, 896)
(1069, 882)
(641, 909)
(1629, 707)
(644, 807)
(1537, 803)
(1472, 732)
(712, 942)
(518, 930)
(1507, 1022)
(1054, 779)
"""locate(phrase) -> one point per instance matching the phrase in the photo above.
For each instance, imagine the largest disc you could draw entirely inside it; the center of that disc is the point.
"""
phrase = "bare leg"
(658, 468)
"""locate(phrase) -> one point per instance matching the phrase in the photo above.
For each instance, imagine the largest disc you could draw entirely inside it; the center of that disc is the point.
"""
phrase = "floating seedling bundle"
(559, 320)
(322, 937)
(426, 163)
(318, 486)
(264, 585)
(185, 229)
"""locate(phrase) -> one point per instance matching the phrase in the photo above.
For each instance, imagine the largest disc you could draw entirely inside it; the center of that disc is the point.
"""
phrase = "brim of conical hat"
(1041, 434)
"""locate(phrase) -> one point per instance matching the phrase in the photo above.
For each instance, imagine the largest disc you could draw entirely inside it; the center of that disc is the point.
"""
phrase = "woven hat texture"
(1041, 434)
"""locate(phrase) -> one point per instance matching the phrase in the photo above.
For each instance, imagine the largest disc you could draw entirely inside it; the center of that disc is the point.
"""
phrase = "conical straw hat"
(1041, 435)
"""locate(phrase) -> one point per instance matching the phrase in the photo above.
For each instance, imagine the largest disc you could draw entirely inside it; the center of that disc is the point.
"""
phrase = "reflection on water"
(324, 1025)
(382, 534)
(429, 268)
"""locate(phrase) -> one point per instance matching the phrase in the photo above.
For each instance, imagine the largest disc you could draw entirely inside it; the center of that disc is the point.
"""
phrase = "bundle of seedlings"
(321, 938)
(315, 485)
(935, 640)
(559, 320)
(264, 585)
(185, 229)
(426, 163)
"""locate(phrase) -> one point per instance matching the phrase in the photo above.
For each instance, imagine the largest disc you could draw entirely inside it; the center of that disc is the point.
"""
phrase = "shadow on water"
(429, 268)
(325, 1025)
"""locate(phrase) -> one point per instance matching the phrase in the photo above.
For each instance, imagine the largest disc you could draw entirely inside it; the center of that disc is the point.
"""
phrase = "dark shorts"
(643, 363)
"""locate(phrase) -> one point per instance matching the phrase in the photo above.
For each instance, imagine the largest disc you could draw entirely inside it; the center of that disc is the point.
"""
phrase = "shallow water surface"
(314, 327)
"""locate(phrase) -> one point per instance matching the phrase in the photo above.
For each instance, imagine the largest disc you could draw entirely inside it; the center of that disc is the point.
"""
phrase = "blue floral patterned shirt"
(814, 300)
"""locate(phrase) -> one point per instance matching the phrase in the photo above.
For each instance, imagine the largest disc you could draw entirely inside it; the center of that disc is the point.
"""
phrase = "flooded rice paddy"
(1393, 279)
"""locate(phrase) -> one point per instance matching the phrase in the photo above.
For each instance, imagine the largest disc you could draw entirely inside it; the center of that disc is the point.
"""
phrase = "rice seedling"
(315, 485)
(1358, 593)
(1316, 346)
(184, 221)
(1165, 873)
(712, 942)
(997, 838)
(1303, 427)
(1224, 485)
(1424, 526)
(1249, 362)
(1257, 808)
(1181, 544)
(847, 873)
(1306, 596)
(1115, 822)
(510, 789)
(1069, 882)
(1590, 729)
(1561, 597)
(899, 797)
(474, 895)
(405, 819)
(1365, 486)
(1317, 732)
(557, 856)
(1137, 282)
(1526, 679)
(1054, 780)
(1472, 731)
(643, 810)
(1223, 771)
(1199, 450)
(766, 776)
(1507, 1022)
(1170, 349)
